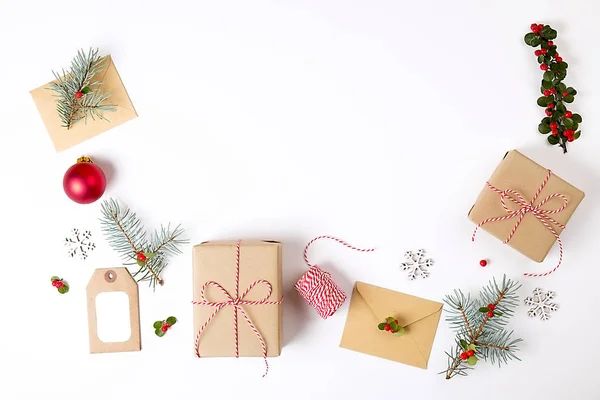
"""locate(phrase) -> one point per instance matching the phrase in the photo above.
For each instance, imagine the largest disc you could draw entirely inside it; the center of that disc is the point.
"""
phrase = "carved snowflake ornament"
(416, 264)
(79, 243)
(542, 306)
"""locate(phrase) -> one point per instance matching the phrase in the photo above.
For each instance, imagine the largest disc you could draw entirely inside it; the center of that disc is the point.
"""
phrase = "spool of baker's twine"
(318, 288)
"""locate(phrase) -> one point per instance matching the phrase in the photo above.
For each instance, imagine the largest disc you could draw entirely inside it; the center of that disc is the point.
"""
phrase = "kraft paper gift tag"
(371, 305)
(81, 131)
(110, 280)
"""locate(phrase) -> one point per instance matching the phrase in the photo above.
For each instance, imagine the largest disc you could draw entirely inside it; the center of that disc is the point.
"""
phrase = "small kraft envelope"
(370, 305)
(82, 130)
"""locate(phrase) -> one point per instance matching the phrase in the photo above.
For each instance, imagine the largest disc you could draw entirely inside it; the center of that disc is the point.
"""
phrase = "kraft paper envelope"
(371, 305)
(82, 130)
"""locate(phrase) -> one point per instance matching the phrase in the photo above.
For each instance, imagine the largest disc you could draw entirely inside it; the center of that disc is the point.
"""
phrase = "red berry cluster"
(391, 325)
(59, 284)
(490, 311)
(466, 354)
(141, 257)
(560, 122)
(161, 327)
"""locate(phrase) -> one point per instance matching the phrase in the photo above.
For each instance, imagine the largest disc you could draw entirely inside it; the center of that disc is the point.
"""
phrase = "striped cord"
(236, 304)
(525, 207)
(318, 288)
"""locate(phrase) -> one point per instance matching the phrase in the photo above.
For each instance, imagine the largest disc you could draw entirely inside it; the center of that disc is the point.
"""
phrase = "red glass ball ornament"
(84, 182)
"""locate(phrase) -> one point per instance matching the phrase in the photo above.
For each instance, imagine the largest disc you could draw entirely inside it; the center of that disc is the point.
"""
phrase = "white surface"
(377, 121)
(112, 316)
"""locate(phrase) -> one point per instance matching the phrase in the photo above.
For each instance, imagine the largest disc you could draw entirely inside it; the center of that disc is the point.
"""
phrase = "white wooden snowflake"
(79, 243)
(416, 264)
(541, 304)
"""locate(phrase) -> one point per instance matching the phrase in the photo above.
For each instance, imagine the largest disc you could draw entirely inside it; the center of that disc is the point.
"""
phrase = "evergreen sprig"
(480, 327)
(126, 235)
(79, 97)
(559, 121)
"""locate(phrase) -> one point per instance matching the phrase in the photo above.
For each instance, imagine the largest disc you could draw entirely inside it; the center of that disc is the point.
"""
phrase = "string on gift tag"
(236, 302)
(318, 288)
(528, 207)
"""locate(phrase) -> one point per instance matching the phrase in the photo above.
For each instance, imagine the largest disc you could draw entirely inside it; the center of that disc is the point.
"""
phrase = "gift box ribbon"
(236, 304)
(543, 215)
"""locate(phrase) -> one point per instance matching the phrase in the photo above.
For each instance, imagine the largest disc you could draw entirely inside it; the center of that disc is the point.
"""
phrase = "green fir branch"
(79, 79)
(480, 326)
(127, 236)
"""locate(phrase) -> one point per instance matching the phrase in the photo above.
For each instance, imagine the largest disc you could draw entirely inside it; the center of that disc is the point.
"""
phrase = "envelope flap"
(405, 308)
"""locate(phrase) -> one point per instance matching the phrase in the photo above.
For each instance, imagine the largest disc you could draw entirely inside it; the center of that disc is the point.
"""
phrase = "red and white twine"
(528, 207)
(318, 288)
(236, 304)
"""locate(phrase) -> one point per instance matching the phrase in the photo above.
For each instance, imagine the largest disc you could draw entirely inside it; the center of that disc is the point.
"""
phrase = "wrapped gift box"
(519, 174)
(215, 263)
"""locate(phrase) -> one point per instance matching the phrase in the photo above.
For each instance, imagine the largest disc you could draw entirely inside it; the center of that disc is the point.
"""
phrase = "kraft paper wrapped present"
(258, 317)
(370, 305)
(63, 138)
(531, 194)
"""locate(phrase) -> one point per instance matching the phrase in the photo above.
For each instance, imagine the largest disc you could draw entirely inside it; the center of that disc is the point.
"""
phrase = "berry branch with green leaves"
(561, 123)
(79, 95)
(127, 236)
(480, 327)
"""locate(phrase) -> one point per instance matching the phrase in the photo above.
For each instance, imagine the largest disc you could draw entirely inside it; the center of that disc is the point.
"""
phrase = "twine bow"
(236, 304)
(543, 215)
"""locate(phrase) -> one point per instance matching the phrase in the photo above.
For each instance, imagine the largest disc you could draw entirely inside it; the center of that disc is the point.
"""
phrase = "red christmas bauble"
(84, 182)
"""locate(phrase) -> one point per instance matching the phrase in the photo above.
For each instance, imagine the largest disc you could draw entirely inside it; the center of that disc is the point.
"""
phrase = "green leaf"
(546, 120)
(54, 278)
(532, 39)
(541, 59)
(548, 76)
(394, 326)
(553, 140)
(561, 107)
(577, 134)
(86, 90)
(575, 126)
(552, 51)
(472, 360)
(562, 87)
(173, 320)
(472, 347)
(150, 255)
(569, 99)
(159, 332)
(399, 332)
(561, 66)
(544, 128)
(546, 84)
(140, 263)
(63, 289)
(577, 118)
(568, 123)
(381, 326)
(157, 325)
(542, 101)
(484, 309)
(390, 320)
(463, 344)
(570, 90)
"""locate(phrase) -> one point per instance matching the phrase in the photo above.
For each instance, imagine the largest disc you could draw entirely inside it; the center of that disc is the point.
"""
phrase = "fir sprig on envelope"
(480, 326)
(79, 95)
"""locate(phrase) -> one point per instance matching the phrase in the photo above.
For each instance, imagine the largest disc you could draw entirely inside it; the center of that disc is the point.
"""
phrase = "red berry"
(464, 356)
(470, 353)
(533, 27)
(544, 51)
(553, 125)
(570, 138)
(387, 327)
(551, 105)
(544, 67)
(54, 282)
(568, 114)
(78, 95)
(565, 94)
(491, 307)
(59, 285)
(165, 327)
(483, 263)
(538, 53)
(548, 112)
(550, 43)
(141, 257)
(490, 314)
(540, 27)
(553, 90)
(547, 93)
(558, 58)
(554, 133)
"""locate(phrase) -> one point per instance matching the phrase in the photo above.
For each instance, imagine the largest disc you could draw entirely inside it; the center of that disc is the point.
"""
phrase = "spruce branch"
(497, 302)
(79, 95)
(126, 235)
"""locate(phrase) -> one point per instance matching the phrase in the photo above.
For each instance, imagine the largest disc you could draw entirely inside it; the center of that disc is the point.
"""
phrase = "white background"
(377, 121)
